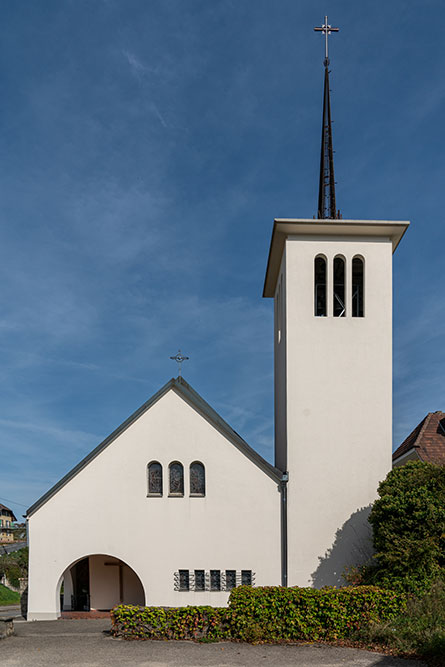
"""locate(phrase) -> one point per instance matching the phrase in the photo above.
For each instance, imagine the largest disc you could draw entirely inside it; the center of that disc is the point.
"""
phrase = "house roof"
(3, 507)
(427, 439)
(199, 404)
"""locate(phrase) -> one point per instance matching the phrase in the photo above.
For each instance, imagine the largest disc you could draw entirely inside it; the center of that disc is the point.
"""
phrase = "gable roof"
(3, 507)
(427, 439)
(199, 404)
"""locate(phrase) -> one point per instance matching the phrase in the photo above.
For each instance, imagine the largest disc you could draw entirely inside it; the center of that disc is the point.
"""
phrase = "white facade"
(333, 389)
(103, 510)
(333, 402)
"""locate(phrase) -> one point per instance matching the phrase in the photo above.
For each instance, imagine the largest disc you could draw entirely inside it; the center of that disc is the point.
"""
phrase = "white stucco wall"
(104, 509)
(339, 406)
(280, 368)
(105, 583)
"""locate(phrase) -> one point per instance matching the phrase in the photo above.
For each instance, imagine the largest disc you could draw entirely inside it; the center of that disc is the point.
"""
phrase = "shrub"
(420, 628)
(277, 613)
(199, 623)
(15, 565)
(264, 615)
(408, 522)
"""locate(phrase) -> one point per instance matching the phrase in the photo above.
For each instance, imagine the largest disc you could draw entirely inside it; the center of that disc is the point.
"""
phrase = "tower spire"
(326, 193)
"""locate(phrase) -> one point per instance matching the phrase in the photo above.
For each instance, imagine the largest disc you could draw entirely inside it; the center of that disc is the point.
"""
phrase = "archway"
(99, 582)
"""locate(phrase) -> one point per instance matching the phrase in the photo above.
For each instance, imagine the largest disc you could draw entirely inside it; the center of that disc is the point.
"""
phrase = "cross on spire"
(179, 358)
(327, 207)
(326, 29)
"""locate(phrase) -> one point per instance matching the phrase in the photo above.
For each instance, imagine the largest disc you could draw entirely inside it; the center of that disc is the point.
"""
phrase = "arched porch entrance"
(99, 582)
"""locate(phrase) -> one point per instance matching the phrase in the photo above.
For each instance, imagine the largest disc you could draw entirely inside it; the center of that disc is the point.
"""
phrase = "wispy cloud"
(145, 75)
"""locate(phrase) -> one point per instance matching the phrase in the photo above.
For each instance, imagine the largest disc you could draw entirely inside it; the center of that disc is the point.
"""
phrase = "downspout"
(283, 488)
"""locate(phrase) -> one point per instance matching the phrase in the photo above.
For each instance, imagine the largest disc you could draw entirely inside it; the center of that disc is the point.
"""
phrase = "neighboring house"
(425, 443)
(6, 524)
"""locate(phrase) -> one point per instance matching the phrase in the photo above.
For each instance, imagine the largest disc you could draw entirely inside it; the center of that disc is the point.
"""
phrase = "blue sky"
(146, 147)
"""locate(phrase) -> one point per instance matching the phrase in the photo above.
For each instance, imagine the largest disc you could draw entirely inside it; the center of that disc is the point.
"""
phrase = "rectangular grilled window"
(184, 580)
(230, 579)
(215, 580)
(200, 581)
(246, 577)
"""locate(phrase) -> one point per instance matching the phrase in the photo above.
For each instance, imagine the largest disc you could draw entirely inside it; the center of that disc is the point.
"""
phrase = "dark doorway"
(80, 573)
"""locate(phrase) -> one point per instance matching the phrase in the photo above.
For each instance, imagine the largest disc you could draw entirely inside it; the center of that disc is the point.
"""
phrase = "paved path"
(83, 643)
(10, 611)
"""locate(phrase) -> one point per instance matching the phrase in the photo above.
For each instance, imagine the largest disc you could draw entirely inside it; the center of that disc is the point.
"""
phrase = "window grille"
(182, 580)
(215, 580)
(200, 580)
(246, 577)
(197, 479)
(230, 579)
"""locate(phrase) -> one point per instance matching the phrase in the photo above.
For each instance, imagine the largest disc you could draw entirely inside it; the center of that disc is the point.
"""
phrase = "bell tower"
(331, 281)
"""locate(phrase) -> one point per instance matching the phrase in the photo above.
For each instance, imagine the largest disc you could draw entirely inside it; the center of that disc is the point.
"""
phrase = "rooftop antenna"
(179, 358)
(326, 192)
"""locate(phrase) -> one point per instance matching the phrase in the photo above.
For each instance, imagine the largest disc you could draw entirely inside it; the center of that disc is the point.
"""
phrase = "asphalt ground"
(84, 642)
(11, 611)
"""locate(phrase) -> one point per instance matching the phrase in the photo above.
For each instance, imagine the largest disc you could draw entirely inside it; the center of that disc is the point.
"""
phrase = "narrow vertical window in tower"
(358, 303)
(320, 287)
(339, 308)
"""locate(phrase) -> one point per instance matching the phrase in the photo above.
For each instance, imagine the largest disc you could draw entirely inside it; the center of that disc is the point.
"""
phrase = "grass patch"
(8, 597)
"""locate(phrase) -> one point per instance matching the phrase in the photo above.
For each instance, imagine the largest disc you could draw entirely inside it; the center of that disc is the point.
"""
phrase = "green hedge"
(199, 623)
(276, 613)
(267, 614)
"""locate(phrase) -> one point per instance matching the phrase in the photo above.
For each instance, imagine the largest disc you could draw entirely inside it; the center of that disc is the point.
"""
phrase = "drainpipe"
(283, 484)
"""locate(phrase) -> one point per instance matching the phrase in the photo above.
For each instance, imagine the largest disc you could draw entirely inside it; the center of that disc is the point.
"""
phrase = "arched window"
(339, 305)
(197, 479)
(176, 477)
(320, 287)
(154, 479)
(358, 296)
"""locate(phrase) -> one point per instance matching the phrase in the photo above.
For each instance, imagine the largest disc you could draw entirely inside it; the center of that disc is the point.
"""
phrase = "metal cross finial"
(326, 29)
(179, 358)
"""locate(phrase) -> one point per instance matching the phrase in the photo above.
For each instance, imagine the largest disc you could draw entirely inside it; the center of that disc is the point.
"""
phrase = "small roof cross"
(326, 29)
(179, 358)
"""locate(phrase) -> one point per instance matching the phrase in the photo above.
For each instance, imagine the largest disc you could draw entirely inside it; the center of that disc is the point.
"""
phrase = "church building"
(174, 508)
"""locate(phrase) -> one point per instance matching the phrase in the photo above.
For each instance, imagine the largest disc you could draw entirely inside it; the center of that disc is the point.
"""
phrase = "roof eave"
(285, 227)
(195, 400)
(100, 447)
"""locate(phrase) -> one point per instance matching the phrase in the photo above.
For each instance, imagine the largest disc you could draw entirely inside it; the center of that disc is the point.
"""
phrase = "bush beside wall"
(277, 614)
(199, 623)
(267, 614)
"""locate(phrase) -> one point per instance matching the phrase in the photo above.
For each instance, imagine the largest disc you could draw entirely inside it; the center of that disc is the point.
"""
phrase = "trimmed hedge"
(267, 614)
(199, 623)
(283, 614)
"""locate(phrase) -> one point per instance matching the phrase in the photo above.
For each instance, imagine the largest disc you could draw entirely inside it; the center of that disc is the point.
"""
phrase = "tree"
(15, 566)
(408, 522)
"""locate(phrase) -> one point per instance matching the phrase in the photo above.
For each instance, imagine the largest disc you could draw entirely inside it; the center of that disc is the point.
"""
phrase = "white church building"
(174, 508)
